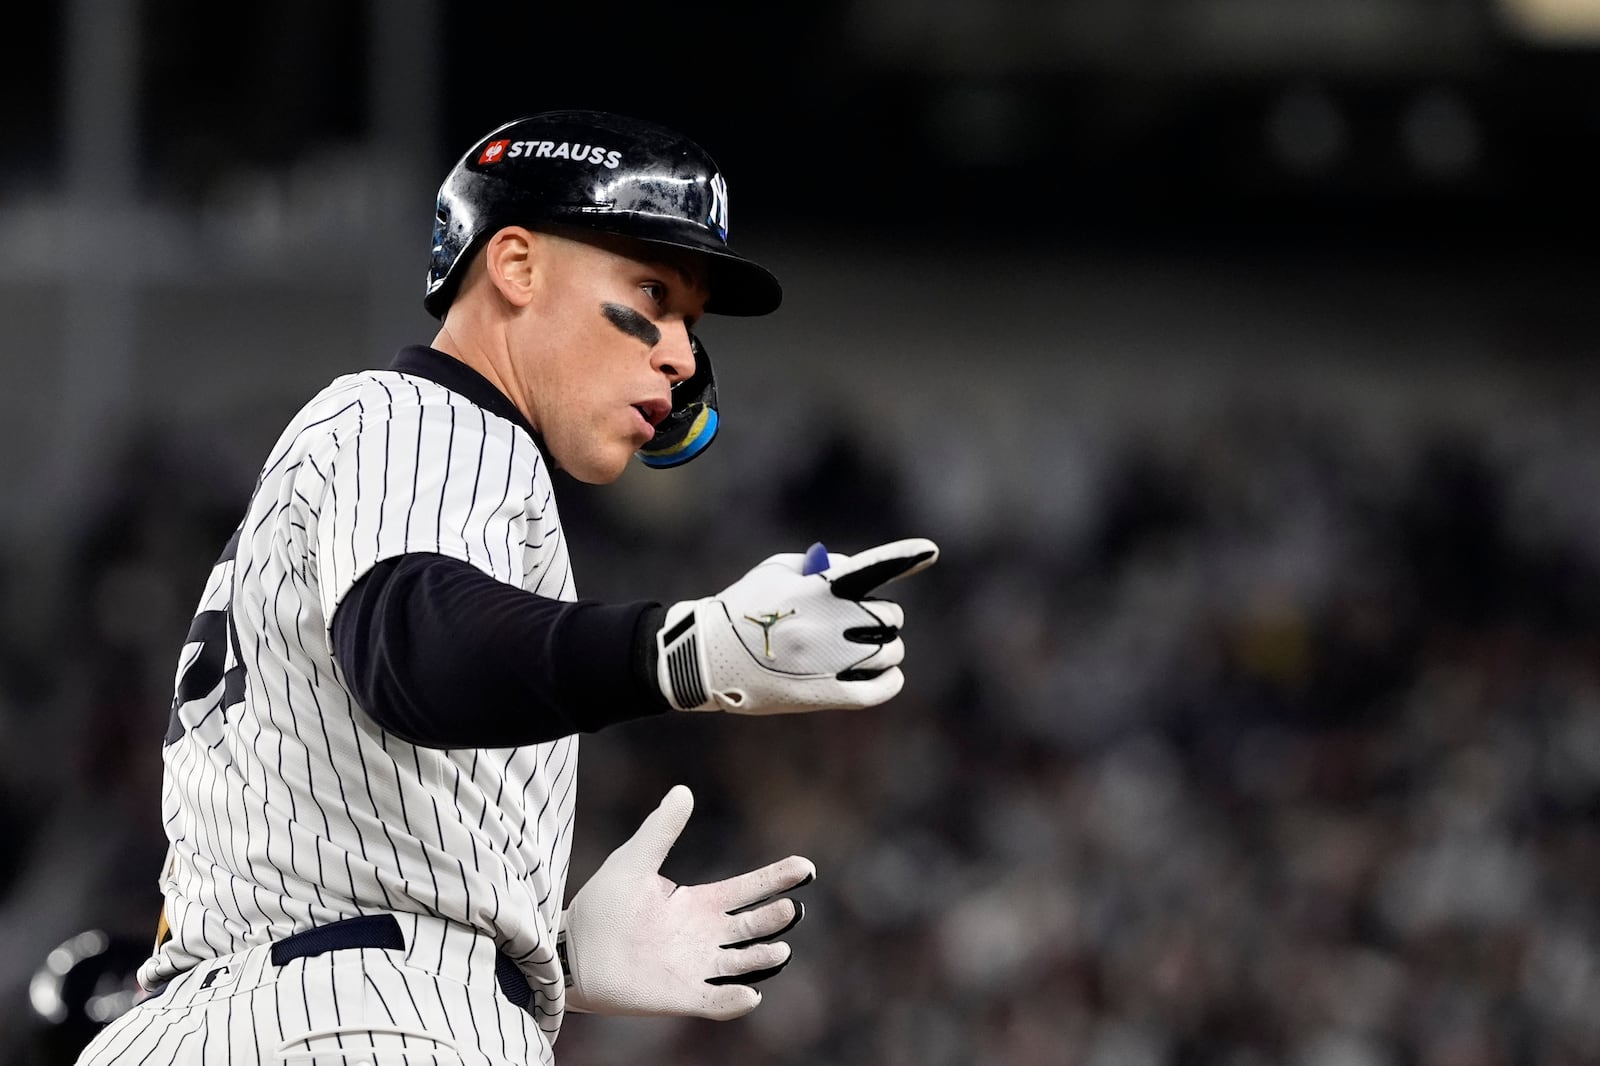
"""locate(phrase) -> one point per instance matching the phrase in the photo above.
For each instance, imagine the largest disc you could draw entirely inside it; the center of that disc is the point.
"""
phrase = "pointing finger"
(856, 576)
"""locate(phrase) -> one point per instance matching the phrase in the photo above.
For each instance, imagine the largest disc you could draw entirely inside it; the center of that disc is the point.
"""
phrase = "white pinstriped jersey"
(286, 805)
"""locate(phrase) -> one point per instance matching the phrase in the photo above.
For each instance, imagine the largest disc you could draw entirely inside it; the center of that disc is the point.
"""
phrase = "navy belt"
(383, 931)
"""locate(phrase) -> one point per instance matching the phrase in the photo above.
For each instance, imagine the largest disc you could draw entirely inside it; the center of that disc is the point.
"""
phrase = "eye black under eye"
(632, 323)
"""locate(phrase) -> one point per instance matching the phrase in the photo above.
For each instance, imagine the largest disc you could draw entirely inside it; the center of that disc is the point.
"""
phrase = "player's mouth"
(654, 412)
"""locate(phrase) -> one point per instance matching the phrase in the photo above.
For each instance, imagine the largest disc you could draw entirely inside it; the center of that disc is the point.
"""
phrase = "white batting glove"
(635, 943)
(797, 633)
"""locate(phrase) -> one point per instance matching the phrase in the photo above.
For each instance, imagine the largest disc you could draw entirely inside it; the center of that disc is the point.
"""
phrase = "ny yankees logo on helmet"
(718, 218)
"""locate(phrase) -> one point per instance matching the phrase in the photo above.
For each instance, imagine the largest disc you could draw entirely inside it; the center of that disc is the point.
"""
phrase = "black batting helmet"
(601, 171)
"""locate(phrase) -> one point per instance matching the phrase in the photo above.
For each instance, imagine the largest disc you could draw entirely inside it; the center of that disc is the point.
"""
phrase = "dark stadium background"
(1238, 353)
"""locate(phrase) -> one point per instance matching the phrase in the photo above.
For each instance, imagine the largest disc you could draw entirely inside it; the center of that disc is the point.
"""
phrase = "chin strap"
(689, 429)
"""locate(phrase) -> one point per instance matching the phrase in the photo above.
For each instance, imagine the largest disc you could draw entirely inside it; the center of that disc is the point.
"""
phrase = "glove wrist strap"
(681, 659)
(561, 956)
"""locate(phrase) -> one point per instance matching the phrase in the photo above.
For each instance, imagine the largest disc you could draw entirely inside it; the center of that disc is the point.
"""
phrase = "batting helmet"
(617, 175)
(600, 171)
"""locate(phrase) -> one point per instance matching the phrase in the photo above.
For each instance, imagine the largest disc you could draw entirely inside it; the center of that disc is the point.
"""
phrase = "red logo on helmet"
(494, 151)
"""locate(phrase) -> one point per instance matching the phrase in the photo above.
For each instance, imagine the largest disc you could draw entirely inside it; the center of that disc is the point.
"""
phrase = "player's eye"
(656, 291)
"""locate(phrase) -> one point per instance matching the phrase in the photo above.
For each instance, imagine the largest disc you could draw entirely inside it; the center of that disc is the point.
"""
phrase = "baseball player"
(370, 766)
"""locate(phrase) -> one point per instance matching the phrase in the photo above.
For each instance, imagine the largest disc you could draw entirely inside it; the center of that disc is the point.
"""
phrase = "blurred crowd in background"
(1290, 756)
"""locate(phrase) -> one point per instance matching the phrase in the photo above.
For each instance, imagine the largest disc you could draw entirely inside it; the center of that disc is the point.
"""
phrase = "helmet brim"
(740, 287)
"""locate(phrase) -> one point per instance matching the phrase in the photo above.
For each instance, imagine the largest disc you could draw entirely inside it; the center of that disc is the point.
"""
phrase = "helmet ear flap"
(689, 429)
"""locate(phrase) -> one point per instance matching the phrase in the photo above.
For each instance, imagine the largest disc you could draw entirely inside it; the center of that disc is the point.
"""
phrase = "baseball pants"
(361, 992)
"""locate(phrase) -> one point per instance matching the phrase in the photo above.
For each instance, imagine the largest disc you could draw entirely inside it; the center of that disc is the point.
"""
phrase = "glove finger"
(738, 965)
(728, 1000)
(853, 577)
(647, 849)
(870, 634)
(868, 688)
(748, 890)
(885, 615)
(751, 978)
(757, 976)
(772, 919)
(884, 657)
(887, 612)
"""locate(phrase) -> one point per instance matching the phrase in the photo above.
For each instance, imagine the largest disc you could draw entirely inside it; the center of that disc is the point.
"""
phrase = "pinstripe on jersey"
(285, 804)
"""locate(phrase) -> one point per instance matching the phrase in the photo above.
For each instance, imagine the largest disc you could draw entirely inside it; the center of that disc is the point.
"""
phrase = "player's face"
(608, 338)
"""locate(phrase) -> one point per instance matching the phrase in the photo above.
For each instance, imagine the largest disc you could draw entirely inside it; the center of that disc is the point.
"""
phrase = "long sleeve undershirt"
(442, 655)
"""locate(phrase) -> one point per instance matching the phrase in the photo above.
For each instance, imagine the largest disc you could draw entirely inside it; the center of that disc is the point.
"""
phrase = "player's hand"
(638, 944)
(797, 633)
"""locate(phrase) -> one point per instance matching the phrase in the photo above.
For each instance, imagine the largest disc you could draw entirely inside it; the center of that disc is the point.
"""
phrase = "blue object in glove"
(816, 559)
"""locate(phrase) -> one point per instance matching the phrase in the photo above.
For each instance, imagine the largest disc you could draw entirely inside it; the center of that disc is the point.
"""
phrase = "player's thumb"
(648, 847)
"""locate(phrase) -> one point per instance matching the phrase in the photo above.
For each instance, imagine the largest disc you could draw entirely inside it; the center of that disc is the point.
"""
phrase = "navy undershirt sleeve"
(444, 656)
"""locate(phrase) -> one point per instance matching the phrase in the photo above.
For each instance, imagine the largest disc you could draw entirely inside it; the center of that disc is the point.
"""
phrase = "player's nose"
(674, 354)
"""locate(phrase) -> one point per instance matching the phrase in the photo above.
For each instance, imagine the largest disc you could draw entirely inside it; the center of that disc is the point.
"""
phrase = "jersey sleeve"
(437, 478)
(444, 656)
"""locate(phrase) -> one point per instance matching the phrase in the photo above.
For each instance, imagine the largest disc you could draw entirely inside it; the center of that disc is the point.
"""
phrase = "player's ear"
(508, 260)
